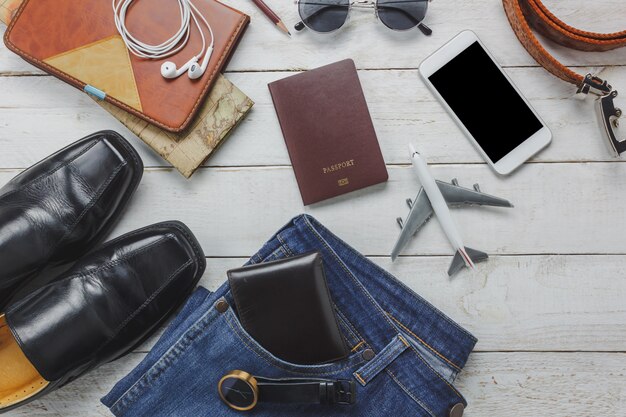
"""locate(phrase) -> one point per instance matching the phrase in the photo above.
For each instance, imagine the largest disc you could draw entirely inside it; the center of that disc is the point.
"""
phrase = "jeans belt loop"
(381, 360)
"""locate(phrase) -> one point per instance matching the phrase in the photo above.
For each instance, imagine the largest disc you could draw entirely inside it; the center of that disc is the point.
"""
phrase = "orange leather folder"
(77, 41)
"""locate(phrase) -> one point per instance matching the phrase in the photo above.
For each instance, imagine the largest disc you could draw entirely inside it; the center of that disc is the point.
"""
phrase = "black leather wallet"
(286, 307)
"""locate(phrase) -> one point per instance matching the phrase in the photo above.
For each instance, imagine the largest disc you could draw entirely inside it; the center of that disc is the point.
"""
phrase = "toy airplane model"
(435, 197)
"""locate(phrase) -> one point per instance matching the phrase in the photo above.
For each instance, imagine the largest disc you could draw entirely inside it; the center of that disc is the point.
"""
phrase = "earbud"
(169, 70)
(189, 14)
(197, 70)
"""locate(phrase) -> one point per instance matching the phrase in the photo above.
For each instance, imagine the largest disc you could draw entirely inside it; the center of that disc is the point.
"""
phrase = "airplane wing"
(421, 211)
(456, 195)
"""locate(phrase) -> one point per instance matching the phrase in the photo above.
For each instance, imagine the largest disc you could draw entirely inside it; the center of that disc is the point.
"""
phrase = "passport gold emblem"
(343, 181)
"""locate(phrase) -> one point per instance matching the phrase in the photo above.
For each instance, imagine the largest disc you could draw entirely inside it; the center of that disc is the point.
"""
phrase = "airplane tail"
(466, 257)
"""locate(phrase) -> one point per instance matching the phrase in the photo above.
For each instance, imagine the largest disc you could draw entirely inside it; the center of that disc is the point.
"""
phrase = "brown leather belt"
(526, 14)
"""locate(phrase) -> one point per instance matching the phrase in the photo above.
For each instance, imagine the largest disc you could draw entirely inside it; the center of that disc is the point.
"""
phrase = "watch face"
(238, 390)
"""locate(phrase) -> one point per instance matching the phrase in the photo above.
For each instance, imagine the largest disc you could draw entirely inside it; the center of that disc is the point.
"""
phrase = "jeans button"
(457, 410)
(221, 306)
(368, 354)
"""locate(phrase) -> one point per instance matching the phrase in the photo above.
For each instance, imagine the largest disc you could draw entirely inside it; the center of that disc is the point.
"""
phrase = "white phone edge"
(522, 152)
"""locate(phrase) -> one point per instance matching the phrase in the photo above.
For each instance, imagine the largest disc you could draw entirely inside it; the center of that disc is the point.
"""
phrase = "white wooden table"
(549, 307)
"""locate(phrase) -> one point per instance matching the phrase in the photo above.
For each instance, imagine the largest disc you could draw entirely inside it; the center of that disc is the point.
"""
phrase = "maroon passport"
(328, 131)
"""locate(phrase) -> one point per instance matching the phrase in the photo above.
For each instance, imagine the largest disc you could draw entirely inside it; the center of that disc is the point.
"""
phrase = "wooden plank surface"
(372, 45)
(234, 210)
(524, 303)
(548, 308)
(520, 384)
(402, 109)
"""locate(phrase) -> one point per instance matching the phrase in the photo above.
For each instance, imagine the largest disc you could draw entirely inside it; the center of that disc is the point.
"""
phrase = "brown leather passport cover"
(77, 42)
(328, 131)
(286, 307)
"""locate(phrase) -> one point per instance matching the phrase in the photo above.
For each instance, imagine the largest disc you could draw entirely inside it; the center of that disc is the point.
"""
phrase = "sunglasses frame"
(361, 4)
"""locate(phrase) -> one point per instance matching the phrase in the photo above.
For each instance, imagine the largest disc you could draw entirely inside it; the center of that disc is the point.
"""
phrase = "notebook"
(328, 131)
(77, 41)
(223, 109)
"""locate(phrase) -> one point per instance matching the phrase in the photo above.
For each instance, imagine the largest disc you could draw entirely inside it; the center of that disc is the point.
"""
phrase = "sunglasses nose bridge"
(363, 4)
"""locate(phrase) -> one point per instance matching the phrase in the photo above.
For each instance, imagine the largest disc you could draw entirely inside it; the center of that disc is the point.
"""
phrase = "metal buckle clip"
(609, 119)
(609, 114)
(594, 85)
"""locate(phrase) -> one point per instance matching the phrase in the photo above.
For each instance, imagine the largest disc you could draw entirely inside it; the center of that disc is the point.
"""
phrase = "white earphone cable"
(169, 47)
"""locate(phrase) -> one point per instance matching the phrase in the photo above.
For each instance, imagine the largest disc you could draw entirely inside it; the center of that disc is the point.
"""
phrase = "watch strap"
(303, 391)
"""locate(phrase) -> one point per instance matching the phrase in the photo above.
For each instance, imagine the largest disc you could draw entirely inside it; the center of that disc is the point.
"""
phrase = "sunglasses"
(329, 15)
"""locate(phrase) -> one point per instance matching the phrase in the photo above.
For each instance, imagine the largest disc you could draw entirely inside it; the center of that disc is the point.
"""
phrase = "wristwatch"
(241, 391)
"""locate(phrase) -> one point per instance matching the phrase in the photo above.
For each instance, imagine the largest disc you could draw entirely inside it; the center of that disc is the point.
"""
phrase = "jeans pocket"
(423, 374)
(276, 254)
(279, 253)
(327, 369)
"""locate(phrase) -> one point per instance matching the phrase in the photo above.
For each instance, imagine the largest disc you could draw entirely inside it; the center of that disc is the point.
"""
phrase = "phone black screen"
(485, 102)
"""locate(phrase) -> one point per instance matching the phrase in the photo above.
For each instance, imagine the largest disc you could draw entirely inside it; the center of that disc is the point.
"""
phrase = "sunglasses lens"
(401, 14)
(324, 15)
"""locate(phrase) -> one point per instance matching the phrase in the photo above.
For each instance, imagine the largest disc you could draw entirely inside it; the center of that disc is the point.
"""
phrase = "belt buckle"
(594, 85)
(609, 114)
(609, 119)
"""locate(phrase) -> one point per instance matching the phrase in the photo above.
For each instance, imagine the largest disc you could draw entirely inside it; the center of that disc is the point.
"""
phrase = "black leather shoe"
(60, 208)
(103, 307)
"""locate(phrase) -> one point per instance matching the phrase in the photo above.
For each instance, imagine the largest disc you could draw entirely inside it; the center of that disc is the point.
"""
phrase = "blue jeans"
(418, 350)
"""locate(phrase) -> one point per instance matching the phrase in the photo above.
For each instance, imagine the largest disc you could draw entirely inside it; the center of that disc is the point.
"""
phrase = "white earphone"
(196, 71)
(171, 46)
(169, 70)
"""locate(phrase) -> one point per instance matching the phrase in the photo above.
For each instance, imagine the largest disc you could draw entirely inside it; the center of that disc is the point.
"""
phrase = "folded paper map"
(224, 107)
(7, 9)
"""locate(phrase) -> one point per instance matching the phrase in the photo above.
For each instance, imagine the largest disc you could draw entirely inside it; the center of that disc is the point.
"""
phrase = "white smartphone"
(483, 101)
